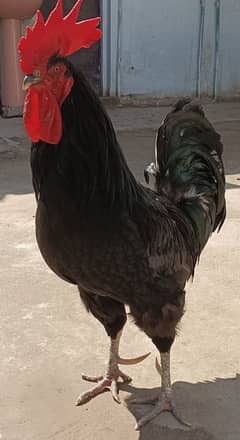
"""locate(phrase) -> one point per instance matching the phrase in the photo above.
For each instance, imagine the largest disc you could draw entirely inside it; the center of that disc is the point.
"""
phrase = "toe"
(92, 378)
(148, 418)
(125, 378)
(178, 417)
(83, 398)
(114, 390)
(95, 391)
(149, 401)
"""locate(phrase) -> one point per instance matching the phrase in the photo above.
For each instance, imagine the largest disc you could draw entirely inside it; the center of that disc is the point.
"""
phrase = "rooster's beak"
(29, 80)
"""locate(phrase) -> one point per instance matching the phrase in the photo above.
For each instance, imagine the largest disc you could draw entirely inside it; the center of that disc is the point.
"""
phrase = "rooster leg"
(164, 402)
(109, 381)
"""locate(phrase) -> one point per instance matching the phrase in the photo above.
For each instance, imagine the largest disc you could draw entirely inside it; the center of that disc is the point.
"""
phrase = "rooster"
(119, 242)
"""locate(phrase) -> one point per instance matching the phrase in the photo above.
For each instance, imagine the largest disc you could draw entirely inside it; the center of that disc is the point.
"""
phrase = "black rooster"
(99, 229)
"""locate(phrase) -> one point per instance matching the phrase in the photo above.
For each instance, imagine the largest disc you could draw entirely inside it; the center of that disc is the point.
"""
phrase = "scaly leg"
(164, 402)
(109, 381)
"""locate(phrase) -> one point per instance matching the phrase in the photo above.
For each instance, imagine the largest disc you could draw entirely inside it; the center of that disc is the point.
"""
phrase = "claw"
(114, 390)
(132, 361)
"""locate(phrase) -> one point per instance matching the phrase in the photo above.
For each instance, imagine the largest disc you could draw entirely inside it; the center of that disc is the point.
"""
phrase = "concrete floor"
(47, 339)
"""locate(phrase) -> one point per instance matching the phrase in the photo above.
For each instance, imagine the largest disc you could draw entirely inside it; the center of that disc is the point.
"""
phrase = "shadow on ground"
(212, 408)
(15, 176)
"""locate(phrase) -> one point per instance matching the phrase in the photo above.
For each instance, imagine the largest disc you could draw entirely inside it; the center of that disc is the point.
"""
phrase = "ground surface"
(47, 339)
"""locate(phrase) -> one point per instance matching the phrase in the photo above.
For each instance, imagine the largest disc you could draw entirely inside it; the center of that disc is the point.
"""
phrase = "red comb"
(59, 35)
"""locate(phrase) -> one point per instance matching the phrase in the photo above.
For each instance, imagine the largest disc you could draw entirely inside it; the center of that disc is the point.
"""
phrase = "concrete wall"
(228, 75)
(171, 47)
(158, 47)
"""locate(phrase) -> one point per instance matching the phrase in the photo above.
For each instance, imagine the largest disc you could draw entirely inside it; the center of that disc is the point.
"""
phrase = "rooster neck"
(88, 162)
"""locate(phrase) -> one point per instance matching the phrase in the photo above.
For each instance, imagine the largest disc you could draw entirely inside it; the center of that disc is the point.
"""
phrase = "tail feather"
(189, 167)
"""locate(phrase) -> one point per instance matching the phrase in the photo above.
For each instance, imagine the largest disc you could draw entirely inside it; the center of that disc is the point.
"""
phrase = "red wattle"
(42, 116)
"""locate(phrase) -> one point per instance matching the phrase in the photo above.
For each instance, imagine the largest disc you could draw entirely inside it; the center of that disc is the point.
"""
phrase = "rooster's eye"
(57, 68)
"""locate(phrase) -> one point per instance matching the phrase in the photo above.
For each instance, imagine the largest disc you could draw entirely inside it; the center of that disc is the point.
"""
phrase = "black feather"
(97, 227)
(190, 169)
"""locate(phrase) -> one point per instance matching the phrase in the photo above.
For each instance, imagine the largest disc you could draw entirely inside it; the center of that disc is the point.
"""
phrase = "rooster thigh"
(159, 319)
(109, 312)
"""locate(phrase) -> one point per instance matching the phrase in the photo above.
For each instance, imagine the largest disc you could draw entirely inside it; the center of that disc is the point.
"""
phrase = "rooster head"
(49, 76)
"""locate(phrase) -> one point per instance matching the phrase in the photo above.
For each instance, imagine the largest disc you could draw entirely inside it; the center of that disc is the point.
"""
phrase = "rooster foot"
(109, 382)
(103, 384)
(162, 404)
